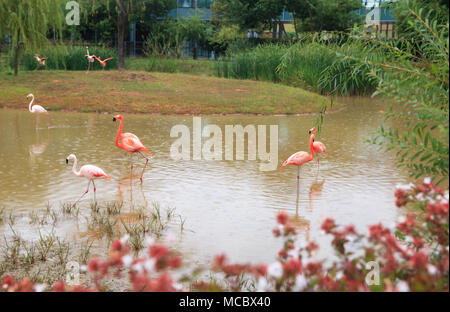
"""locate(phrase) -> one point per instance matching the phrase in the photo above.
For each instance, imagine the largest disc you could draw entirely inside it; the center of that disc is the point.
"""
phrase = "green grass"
(172, 65)
(142, 92)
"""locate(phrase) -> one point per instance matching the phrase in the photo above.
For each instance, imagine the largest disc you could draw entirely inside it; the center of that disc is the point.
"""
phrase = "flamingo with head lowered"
(89, 172)
(37, 109)
(300, 158)
(103, 63)
(319, 147)
(131, 143)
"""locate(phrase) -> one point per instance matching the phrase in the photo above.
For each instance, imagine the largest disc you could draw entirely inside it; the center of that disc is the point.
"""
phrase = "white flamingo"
(89, 172)
(91, 59)
(37, 109)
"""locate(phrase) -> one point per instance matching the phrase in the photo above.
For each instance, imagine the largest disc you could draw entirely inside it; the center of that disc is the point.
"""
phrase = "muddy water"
(228, 206)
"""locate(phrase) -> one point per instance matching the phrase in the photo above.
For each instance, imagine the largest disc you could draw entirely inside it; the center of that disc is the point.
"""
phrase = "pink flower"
(59, 286)
(328, 225)
(292, 267)
(282, 218)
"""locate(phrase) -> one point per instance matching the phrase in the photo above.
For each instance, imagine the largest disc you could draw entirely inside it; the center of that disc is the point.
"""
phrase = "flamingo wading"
(37, 109)
(89, 172)
(319, 147)
(131, 143)
(300, 158)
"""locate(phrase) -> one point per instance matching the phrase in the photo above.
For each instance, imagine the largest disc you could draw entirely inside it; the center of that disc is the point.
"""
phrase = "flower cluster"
(412, 257)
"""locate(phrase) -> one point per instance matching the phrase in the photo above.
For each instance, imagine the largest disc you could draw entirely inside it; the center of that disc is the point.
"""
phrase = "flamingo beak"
(67, 161)
(114, 119)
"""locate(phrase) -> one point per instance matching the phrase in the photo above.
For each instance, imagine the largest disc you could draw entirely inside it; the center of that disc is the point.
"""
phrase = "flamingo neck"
(31, 103)
(119, 133)
(74, 168)
(311, 145)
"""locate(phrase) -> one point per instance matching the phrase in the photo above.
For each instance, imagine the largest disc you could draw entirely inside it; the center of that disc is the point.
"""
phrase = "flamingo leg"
(48, 120)
(95, 200)
(131, 167)
(87, 190)
(146, 162)
(318, 166)
(37, 120)
(298, 182)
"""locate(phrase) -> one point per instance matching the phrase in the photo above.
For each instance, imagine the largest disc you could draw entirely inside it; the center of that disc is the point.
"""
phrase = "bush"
(61, 57)
(313, 64)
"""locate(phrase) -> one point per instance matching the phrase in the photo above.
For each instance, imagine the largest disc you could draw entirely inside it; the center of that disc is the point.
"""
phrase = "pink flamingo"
(37, 109)
(319, 147)
(91, 59)
(88, 171)
(300, 158)
(130, 143)
(41, 61)
(103, 63)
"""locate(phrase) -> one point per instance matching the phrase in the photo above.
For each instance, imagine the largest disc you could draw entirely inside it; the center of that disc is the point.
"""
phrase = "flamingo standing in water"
(103, 63)
(91, 59)
(300, 158)
(37, 109)
(88, 171)
(130, 143)
(319, 147)
(41, 61)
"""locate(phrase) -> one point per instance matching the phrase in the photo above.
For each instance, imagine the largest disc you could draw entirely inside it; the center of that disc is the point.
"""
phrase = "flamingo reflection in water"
(39, 148)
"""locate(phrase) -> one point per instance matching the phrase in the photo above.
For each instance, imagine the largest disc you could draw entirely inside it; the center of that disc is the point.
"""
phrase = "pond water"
(228, 206)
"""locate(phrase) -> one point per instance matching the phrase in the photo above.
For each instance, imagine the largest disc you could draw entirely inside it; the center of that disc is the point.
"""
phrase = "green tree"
(318, 15)
(27, 23)
(195, 30)
(413, 74)
(248, 13)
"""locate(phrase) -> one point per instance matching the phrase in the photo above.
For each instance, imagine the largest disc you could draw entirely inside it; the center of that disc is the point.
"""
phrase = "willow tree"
(27, 23)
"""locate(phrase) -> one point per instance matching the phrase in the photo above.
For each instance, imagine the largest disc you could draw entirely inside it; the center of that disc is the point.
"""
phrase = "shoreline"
(157, 94)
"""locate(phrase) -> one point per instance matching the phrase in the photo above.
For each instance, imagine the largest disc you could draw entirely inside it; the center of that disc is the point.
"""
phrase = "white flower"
(427, 180)
(125, 239)
(127, 260)
(339, 275)
(402, 286)
(300, 282)
(262, 284)
(178, 286)
(39, 287)
(149, 241)
(83, 268)
(149, 265)
(432, 269)
(275, 270)
(138, 267)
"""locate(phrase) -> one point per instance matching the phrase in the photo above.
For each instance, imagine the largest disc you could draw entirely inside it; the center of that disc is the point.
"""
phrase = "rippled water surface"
(228, 205)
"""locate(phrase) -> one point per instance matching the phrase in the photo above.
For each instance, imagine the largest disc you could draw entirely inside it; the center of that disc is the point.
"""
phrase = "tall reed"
(62, 57)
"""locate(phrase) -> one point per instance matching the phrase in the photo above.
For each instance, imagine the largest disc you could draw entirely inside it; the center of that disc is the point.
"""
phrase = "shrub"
(61, 57)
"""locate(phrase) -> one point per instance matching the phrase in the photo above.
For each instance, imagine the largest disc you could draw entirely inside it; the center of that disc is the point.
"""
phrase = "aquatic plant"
(413, 256)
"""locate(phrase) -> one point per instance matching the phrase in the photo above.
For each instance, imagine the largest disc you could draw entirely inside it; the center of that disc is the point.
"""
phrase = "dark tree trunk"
(16, 54)
(122, 22)
(120, 44)
(294, 17)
